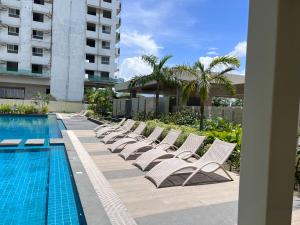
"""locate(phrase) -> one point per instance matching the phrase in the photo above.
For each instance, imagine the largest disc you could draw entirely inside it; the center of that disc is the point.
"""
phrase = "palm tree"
(203, 79)
(161, 74)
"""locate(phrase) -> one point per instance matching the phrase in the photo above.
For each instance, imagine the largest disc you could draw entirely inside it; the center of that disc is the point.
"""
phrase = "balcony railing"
(14, 72)
(101, 80)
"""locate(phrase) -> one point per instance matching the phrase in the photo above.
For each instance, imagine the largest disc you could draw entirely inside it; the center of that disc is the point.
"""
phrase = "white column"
(25, 47)
(270, 113)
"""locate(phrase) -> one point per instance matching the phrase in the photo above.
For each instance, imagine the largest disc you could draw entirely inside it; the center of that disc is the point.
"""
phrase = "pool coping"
(93, 209)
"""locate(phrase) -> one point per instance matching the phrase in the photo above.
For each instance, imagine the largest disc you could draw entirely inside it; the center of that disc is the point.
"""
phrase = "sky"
(190, 30)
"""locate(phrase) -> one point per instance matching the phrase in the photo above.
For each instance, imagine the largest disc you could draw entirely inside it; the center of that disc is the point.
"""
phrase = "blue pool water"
(36, 184)
(29, 127)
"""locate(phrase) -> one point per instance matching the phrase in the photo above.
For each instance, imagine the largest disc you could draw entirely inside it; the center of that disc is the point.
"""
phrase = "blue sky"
(190, 30)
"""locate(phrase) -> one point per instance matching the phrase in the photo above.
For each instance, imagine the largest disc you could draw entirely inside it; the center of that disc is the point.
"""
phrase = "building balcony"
(28, 73)
(90, 50)
(118, 37)
(118, 52)
(106, 21)
(9, 3)
(45, 9)
(119, 7)
(90, 66)
(91, 34)
(94, 3)
(107, 5)
(41, 25)
(100, 80)
(119, 23)
(92, 18)
(42, 60)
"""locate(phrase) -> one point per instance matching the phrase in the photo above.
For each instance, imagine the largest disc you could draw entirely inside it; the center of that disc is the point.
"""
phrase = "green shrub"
(5, 109)
(22, 109)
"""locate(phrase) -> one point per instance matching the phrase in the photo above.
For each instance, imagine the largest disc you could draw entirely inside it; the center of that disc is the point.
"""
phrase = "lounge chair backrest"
(155, 134)
(126, 124)
(218, 152)
(192, 143)
(141, 127)
(121, 122)
(129, 126)
(171, 137)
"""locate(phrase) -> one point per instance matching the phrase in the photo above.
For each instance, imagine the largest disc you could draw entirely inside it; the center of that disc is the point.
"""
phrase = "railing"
(11, 71)
(102, 80)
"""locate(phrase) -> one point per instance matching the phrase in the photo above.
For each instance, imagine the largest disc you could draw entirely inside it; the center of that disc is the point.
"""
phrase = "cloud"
(134, 66)
(143, 43)
(240, 50)
(212, 53)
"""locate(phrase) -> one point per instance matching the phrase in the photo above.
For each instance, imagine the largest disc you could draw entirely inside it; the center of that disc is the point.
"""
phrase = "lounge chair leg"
(230, 177)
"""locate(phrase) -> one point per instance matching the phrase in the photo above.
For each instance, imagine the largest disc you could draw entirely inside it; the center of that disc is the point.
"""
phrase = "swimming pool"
(36, 184)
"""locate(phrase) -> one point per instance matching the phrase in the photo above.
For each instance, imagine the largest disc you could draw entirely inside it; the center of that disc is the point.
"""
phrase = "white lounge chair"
(188, 148)
(211, 161)
(122, 143)
(106, 130)
(112, 137)
(82, 113)
(110, 125)
(141, 146)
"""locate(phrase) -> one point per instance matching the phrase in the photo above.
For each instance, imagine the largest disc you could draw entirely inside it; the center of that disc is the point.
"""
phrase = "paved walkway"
(207, 204)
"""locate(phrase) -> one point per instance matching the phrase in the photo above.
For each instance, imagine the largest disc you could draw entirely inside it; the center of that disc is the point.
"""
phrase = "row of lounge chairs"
(163, 159)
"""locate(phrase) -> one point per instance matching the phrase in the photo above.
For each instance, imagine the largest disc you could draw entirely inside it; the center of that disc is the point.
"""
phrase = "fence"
(135, 106)
(232, 114)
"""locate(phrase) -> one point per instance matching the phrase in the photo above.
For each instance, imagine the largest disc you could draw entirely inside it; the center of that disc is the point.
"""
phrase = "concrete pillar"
(270, 113)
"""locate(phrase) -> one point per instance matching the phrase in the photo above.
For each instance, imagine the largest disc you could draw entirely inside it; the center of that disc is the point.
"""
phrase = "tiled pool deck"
(207, 204)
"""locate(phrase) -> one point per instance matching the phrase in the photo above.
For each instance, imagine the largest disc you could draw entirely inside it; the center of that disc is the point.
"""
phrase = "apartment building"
(58, 47)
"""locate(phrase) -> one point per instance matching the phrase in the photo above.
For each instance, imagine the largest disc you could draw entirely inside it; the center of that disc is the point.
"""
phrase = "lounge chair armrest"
(188, 154)
(211, 166)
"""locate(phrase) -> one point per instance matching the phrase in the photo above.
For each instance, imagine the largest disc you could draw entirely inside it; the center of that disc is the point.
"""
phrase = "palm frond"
(151, 60)
(140, 81)
(231, 61)
(188, 89)
(227, 70)
(224, 81)
(163, 61)
(199, 66)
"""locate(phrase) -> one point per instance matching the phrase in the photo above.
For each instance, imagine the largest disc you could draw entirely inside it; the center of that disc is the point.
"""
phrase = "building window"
(105, 44)
(12, 49)
(106, 29)
(12, 66)
(91, 43)
(13, 31)
(109, 1)
(89, 74)
(14, 13)
(48, 91)
(91, 26)
(107, 14)
(12, 93)
(36, 34)
(90, 58)
(105, 60)
(40, 2)
(105, 75)
(37, 51)
(91, 11)
(35, 68)
(38, 17)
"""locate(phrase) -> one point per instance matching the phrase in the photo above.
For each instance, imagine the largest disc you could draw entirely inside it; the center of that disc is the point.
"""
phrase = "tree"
(204, 78)
(161, 74)
(100, 100)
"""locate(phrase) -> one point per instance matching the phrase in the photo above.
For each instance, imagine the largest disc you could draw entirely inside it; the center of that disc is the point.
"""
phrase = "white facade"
(70, 43)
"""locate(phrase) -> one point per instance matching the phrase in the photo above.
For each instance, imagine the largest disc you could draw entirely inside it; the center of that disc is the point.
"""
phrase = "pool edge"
(93, 209)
